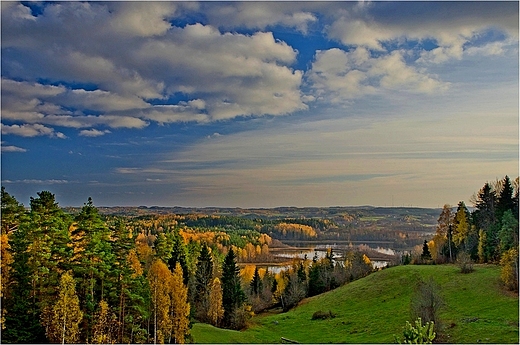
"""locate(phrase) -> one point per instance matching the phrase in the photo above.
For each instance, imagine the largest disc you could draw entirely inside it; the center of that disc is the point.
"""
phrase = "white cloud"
(31, 130)
(142, 18)
(260, 15)
(131, 53)
(93, 132)
(450, 25)
(11, 148)
(338, 76)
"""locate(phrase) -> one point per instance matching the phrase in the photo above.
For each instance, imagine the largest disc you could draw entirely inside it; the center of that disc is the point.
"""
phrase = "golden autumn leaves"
(171, 309)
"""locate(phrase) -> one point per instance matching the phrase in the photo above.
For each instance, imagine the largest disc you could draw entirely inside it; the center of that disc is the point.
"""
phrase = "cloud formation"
(128, 64)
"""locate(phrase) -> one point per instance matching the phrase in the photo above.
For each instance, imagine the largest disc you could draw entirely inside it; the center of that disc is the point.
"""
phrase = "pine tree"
(232, 295)
(93, 260)
(63, 318)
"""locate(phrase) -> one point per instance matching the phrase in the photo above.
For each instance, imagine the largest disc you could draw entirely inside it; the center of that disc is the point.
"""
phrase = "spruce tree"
(203, 280)
(232, 295)
(505, 199)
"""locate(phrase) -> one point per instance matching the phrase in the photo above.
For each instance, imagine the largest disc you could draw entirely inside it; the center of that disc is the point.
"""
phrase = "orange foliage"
(297, 230)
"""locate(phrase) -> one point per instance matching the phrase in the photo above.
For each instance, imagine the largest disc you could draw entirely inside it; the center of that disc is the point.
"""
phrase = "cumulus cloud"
(260, 15)
(450, 26)
(128, 64)
(338, 76)
(31, 130)
(132, 54)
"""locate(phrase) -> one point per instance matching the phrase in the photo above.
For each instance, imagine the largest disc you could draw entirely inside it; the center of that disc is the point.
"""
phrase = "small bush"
(509, 271)
(323, 315)
(465, 263)
(417, 333)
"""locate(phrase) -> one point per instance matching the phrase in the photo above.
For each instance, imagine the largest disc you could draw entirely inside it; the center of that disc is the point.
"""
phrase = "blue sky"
(258, 104)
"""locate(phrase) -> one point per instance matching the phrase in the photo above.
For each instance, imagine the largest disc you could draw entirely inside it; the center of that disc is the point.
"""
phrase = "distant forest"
(143, 275)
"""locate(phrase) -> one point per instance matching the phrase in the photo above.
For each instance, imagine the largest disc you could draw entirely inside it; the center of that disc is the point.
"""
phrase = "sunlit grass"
(373, 309)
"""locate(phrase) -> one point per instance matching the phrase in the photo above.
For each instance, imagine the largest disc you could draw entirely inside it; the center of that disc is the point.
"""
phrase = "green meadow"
(375, 308)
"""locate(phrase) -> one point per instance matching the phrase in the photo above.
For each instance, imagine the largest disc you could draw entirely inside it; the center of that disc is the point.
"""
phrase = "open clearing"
(373, 309)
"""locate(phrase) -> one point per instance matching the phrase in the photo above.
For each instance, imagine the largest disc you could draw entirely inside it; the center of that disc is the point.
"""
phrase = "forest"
(87, 275)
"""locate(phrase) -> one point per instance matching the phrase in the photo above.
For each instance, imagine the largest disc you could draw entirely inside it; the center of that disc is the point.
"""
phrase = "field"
(373, 309)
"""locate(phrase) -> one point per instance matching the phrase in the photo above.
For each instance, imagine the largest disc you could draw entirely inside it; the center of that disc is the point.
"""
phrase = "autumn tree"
(216, 310)
(159, 278)
(440, 239)
(179, 307)
(104, 330)
(62, 319)
(509, 271)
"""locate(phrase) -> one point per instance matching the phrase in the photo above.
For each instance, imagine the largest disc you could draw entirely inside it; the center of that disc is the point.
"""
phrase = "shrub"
(322, 315)
(417, 333)
(426, 301)
(465, 263)
(509, 272)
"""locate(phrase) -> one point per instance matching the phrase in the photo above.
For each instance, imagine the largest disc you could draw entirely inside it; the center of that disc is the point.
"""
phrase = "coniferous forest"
(88, 277)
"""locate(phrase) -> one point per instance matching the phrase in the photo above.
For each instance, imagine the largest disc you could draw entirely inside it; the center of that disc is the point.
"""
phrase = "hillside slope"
(373, 309)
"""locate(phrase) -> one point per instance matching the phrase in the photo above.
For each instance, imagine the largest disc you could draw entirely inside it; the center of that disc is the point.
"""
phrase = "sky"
(258, 104)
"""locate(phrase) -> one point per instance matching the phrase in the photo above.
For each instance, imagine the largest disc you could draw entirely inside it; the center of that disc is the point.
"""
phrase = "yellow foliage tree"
(159, 277)
(180, 308)
(105, 325)
(5, 262)
(216, 310)
(61, 321)
(509, 272)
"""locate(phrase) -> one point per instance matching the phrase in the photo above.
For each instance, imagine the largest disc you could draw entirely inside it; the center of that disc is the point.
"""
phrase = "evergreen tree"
(232, 295)
(256, 283)
(505, 199)
(508, 233)
(12, 213)
(178, 254)
(93, 260)
(484, 218)
(40, 257)
(426, 255)
(203, 280)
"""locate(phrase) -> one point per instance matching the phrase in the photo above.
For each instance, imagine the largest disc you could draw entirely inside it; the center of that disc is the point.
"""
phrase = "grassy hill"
(373, 309)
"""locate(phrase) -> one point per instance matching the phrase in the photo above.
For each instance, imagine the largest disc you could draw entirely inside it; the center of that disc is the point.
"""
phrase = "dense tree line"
(90, 278)
(81, 278)
(488, 234)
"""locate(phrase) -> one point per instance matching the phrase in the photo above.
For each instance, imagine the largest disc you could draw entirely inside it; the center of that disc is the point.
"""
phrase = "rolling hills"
(373, 309)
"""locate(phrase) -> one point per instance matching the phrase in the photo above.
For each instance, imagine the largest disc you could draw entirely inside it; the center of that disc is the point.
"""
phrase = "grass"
(373, 309)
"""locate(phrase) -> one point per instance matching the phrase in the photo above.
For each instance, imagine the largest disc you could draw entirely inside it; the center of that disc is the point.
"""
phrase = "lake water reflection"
(304, 250)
